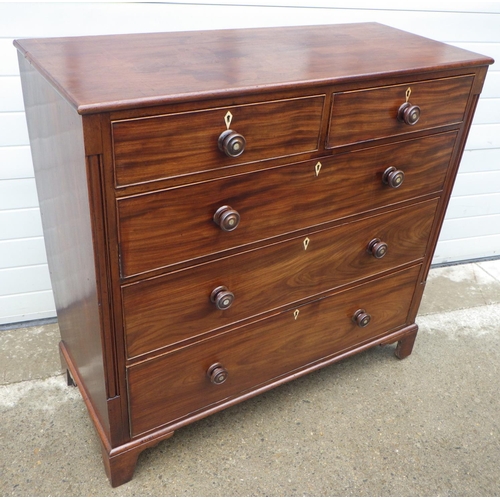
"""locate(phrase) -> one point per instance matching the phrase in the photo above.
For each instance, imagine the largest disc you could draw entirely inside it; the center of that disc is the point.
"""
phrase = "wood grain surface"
(129, 190)
(167, 146)
(176, 384)
(176, 307)
(165, 227)
(364, 115)
(138, 70)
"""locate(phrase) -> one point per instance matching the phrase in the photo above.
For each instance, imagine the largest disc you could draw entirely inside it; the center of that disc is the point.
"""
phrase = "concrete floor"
(368, 426)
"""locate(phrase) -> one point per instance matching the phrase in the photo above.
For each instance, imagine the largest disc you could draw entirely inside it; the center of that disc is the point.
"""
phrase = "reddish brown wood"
(447, 190)
(57, 146)
(217, 374)
(155, 68)
(120, 467)
(365, 115)
(66, 370)
(361, 318)
(226, 218)
(200, 258)
(409, 113)
(174, 385)
(231, 143)
(393, 177)
(273, 202)
(405, 346)
(175, 307)
(165, 146)
(377, 248)
(120, 462)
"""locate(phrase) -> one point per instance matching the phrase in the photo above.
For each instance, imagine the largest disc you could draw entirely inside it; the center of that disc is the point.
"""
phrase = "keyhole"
(306, 243)
(295, 314)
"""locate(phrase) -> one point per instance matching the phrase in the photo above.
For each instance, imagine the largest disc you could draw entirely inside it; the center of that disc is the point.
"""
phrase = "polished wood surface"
(365, 115)
(56, 136)
(201, 257)
(137, 70)
(176, 384)
(166, 146)
(273, 202)
(176, 307)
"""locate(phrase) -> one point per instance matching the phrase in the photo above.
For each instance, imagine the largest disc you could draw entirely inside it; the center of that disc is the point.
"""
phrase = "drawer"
(165, 227)
(159, 147)
(364, 115)
(176, 385)
(163, 311)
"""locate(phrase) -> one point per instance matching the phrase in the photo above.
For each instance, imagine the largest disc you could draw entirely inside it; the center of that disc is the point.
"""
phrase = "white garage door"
(472, 226)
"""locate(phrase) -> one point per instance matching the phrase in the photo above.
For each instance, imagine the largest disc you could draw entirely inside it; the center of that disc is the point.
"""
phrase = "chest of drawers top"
(105, 73)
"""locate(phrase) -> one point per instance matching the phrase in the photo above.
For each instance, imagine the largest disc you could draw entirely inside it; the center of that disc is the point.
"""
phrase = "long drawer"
(163, 311)
(175, 385)
(160, 147)
(368, 114)
(165, 227)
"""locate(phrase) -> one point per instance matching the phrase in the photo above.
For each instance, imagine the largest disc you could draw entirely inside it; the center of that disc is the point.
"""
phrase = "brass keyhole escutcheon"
(306, 243)
(296, 314)
(317, 168)
(228, 119)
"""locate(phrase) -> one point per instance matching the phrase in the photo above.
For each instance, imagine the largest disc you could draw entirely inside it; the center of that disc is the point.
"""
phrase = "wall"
(471, 229)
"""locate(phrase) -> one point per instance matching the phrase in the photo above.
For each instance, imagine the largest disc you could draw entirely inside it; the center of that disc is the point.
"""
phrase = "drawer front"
(364, 115)
(162, 228)
(163, 311)
(175, 385)
(160, 147)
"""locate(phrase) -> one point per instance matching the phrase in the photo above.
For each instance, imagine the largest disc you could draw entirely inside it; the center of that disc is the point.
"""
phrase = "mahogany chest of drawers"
(225, 211)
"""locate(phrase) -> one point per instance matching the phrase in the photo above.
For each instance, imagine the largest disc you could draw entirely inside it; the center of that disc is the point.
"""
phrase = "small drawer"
(169, 309)
(364, 115)
(170, 226)
(160, 147)
(183, 382)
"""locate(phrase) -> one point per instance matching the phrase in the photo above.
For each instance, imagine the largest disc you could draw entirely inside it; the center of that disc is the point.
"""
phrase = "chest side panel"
(56, 137)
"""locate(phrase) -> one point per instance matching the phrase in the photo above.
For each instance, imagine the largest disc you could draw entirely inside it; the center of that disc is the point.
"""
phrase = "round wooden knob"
(377, 248)
(393, 177)
(409, 113)
(227, 218)
(231, 143)
(222, 298)
(361, 318)
(217, 374)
